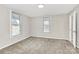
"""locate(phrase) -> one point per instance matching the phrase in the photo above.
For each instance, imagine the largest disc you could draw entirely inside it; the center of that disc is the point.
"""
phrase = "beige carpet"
(34, 45)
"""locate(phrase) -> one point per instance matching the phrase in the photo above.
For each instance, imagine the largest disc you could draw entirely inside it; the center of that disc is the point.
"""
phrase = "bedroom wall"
(5, 39)
(58, 27)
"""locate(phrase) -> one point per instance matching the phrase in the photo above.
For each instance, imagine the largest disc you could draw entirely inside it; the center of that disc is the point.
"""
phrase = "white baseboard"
(7, 45)
(28, 37)
(49, 37)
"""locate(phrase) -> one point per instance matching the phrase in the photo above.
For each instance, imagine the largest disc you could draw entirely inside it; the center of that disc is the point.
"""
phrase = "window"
(46, 24)
(15, 24)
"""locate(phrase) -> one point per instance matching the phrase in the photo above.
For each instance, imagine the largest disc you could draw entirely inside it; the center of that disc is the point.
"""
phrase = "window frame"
(45, 25)
(11, 12)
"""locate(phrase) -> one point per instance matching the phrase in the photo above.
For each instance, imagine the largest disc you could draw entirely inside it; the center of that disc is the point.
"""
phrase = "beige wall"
(5, 39)
(58, 27)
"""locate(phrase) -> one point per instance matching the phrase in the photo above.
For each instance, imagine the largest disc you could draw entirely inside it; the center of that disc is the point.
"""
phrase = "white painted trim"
(13, 43)
(10, 21)
(50, 37)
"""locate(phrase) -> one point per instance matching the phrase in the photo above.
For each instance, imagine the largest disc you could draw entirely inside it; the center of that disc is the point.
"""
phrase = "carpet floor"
(36, 45)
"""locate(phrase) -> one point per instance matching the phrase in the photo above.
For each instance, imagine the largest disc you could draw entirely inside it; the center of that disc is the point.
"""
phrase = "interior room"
(39, 29)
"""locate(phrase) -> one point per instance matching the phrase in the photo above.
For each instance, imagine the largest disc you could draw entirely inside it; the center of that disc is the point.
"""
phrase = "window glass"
(15, 24)
(46, 24)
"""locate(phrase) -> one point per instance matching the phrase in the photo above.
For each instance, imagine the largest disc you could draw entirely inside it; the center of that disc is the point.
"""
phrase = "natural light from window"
(15, 24)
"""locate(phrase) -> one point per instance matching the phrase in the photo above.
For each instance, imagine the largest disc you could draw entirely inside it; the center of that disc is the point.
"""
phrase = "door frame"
(73, 28)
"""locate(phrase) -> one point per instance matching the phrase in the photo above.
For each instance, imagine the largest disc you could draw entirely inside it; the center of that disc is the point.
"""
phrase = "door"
(72, 28)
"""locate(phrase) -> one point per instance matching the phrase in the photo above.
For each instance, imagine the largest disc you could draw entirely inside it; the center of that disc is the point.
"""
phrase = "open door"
(73, 29)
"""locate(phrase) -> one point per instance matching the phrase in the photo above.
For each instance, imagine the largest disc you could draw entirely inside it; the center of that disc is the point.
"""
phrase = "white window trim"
(11, 36)
(48, 25)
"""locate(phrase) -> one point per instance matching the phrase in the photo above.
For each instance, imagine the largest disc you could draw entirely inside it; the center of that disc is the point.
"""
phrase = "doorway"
(73, 28)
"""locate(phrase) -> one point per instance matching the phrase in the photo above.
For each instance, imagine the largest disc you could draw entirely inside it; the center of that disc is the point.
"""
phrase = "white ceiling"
(50, 9)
